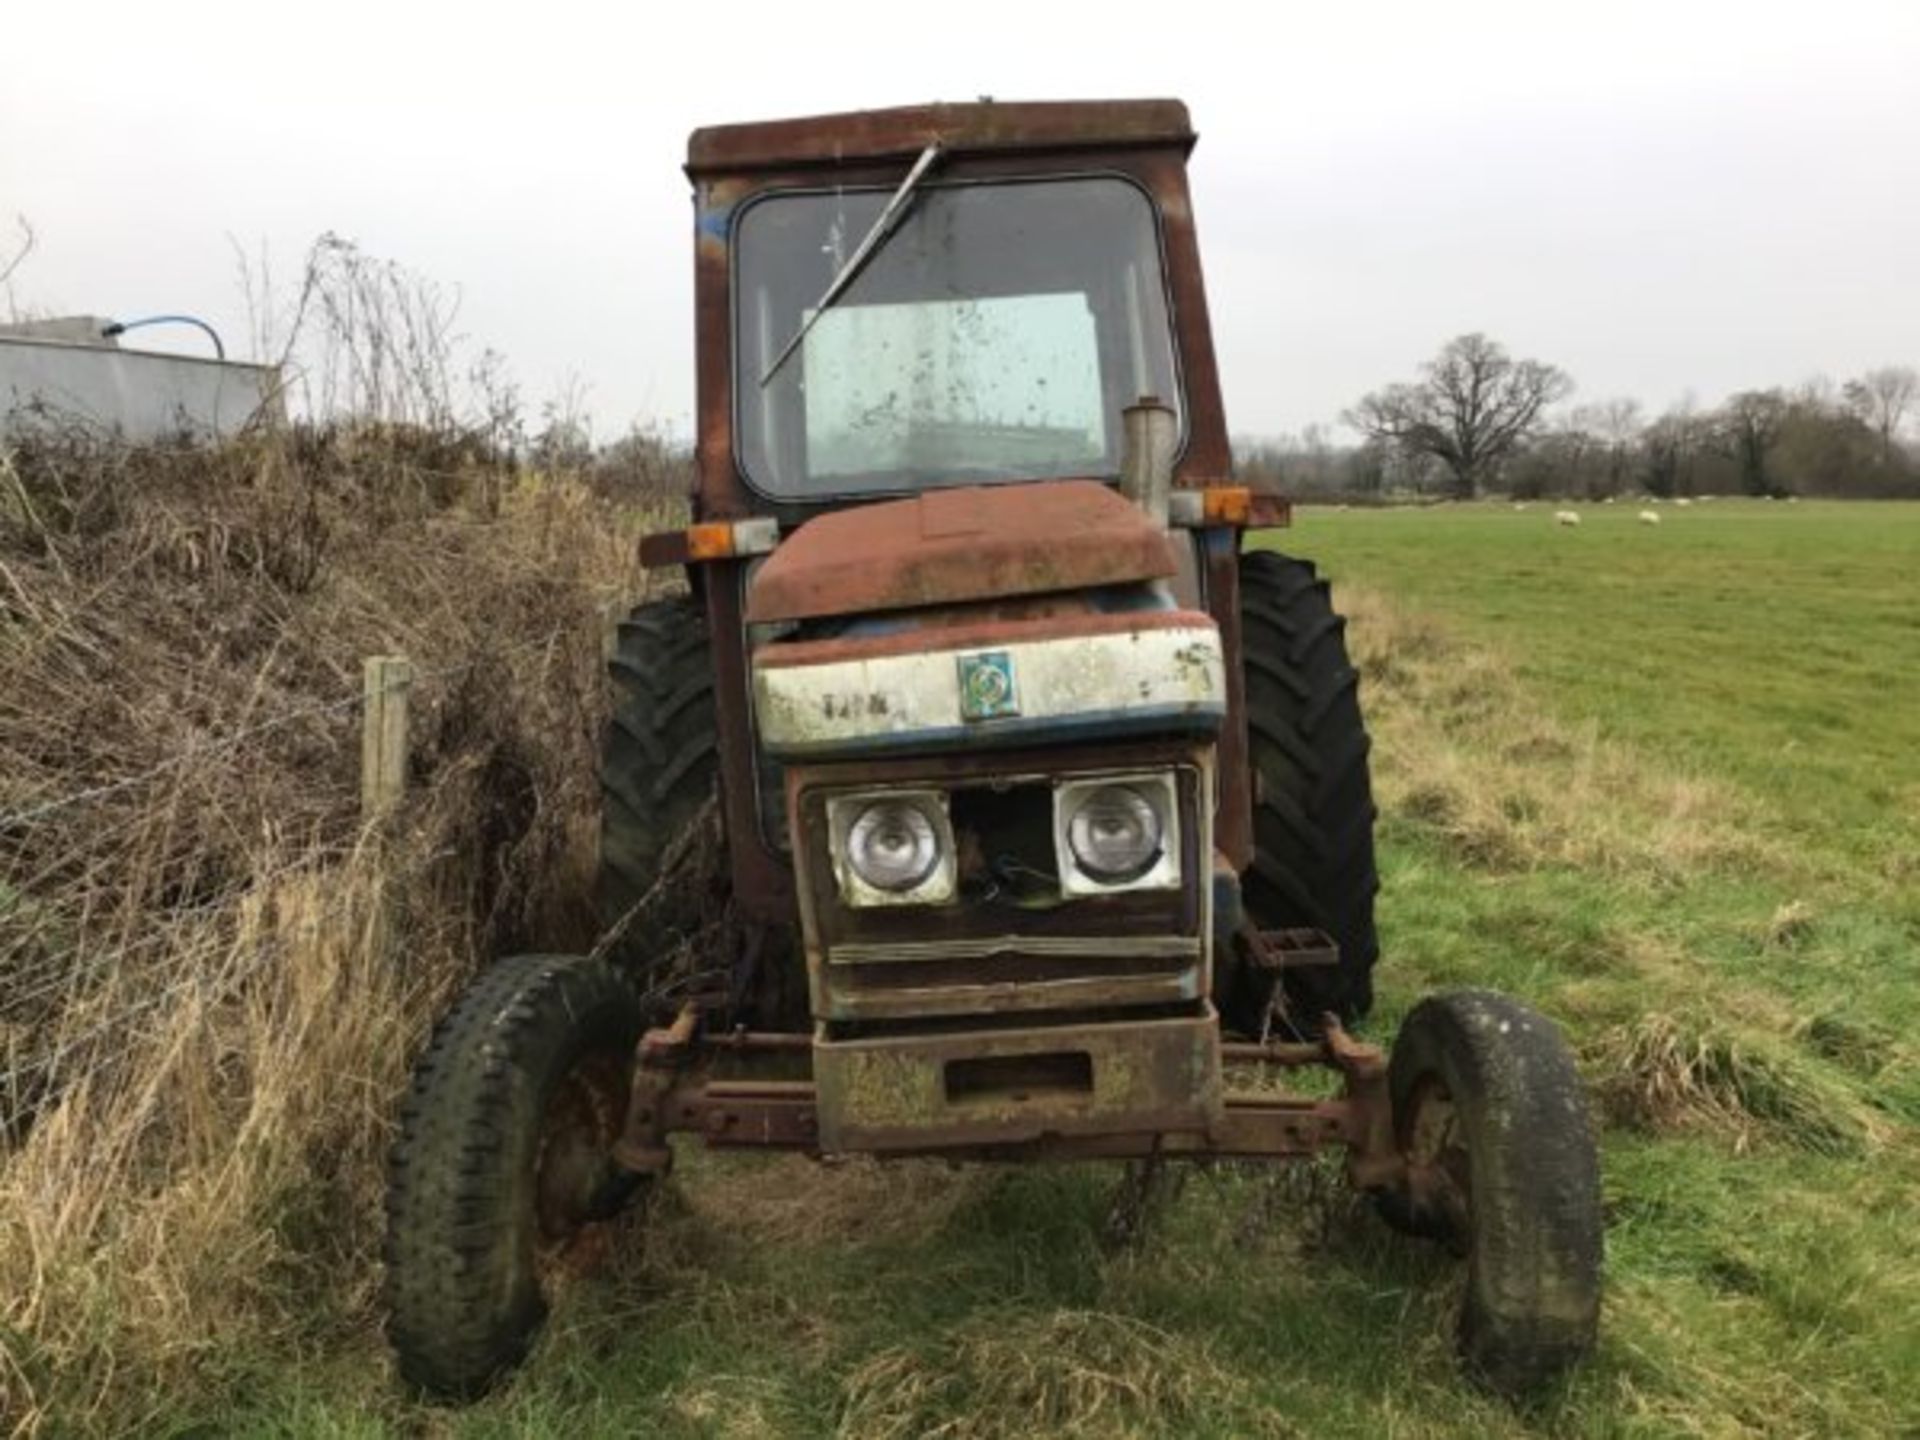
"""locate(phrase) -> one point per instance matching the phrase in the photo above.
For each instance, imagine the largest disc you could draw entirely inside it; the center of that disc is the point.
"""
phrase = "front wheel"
(1502, 1166)
(503, 1164)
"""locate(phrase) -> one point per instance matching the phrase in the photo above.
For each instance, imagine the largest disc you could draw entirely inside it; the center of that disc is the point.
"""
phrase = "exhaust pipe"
(1149, 435)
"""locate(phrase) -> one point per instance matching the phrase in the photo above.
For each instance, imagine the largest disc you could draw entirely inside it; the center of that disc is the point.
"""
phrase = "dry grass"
(1066, 1372)
(1466, 755)
(789, 1200)
(211, 978)
(1700, 1071)
(1465, 752)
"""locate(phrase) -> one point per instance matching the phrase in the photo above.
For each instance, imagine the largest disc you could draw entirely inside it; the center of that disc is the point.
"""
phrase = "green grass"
(1662, 782)
(1772, 644)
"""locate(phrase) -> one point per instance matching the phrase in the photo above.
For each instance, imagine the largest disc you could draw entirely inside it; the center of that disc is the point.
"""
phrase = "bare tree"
(1473, 404)
(1882, 398)
(1671, 446)
(1619, 423)
(13, 262)
(1752, 421)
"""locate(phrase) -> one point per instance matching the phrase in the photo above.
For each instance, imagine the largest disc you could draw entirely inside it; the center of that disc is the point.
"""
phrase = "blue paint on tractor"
(1198, 718)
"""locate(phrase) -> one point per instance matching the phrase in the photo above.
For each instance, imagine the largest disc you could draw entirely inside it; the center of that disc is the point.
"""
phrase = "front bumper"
(1016, 1086)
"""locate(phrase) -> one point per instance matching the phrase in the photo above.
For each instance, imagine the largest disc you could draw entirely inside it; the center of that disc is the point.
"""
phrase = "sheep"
(1566, 517)
(1649, 517)
(1682, 501)
(1519, 505)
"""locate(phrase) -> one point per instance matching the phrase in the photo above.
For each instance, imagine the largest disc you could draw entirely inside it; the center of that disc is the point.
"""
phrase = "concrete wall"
(142, 395)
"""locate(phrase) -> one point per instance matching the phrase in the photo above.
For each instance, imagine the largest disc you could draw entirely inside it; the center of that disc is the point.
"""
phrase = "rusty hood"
(950, 546)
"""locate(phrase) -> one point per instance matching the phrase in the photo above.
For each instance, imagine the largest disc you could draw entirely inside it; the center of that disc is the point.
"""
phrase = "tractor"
(984, 795)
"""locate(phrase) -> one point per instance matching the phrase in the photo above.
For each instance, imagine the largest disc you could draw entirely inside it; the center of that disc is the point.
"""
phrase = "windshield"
(996, 335)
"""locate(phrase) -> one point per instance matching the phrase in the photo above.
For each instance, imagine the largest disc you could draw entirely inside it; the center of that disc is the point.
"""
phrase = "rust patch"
(944, 547)
(1034, 1094)
(960, 129)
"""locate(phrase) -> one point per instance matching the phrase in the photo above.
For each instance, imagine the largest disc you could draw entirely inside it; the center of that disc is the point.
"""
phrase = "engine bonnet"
(951, 546)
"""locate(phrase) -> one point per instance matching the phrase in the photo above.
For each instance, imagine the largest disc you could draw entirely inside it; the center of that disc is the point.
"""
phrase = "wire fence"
(187, 951)
(34, 813)
(31, 1081)
(42, 810)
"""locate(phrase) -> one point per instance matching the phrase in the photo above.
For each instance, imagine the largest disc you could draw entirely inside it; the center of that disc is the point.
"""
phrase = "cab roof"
(981, 127)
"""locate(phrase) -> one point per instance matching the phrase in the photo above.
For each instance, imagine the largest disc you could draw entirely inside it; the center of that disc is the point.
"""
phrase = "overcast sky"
(1662, 198)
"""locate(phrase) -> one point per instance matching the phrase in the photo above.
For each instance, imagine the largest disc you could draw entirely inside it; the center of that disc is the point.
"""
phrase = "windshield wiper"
(867, 249)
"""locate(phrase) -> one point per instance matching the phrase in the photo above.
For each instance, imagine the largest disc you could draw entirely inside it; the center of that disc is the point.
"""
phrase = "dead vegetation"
(1698, 1071)
(1464, 753)
(1064, 1372)
(211, 976)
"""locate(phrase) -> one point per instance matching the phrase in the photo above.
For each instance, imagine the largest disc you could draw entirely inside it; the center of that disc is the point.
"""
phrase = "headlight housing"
(892, 847)
(1117, 833)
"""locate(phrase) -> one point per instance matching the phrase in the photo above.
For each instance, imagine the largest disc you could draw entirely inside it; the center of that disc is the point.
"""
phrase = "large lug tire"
(1503, 1167)
(503, 1165)
(659, 771)
(1313, 807)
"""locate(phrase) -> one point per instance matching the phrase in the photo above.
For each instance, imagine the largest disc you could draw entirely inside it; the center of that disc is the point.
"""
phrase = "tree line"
(1477, 420)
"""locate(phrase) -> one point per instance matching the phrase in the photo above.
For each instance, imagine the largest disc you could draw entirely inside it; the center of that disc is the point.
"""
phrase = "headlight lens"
(1116, 834)
(893, 845)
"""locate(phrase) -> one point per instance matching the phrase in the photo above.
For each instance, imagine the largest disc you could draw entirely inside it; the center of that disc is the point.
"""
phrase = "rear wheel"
(659, 770)
(504, 1164)
(1502, 1167)
(1313, 808)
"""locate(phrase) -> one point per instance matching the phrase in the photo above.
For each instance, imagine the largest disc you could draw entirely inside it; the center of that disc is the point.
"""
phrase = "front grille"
(1010, 943)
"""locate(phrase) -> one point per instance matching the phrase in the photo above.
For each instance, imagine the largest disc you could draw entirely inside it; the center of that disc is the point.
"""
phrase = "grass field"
(1663, 783)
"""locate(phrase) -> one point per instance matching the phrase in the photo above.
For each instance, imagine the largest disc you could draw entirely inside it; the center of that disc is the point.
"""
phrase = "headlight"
(892, 849)
(891, 845)
(1117, 834)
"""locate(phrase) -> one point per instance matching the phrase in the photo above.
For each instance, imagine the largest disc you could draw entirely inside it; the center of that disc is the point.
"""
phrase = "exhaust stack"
(1149, 435)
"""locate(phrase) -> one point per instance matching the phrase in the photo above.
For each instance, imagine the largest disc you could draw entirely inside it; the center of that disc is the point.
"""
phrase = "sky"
(1669, 200)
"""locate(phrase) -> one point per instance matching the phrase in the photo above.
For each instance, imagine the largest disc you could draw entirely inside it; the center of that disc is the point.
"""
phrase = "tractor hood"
(947, 547)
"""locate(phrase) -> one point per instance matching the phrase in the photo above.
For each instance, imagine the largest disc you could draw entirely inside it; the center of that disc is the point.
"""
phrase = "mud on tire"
(502, 1160)
(1313, 807)
(1487, 1101)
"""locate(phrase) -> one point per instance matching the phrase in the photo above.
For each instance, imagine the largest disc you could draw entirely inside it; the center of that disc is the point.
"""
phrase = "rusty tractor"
(983, 796)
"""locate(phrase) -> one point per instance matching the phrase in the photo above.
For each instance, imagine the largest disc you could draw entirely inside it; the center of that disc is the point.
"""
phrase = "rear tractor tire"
(1313, 810)
(1503, 1168)
(503, 1167)
(659, 774)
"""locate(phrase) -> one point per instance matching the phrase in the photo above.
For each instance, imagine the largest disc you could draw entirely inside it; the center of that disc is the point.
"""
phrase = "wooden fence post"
(612, 612)
(383, 735)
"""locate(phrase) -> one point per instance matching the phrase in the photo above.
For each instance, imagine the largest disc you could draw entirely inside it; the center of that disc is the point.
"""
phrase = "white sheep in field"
(1683, 502)
(1566, 517)
(1519, 505)
(1649, 517)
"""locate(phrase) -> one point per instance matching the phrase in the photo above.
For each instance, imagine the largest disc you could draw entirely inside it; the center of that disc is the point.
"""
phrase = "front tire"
(503, 1164)
(1489, 1111)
